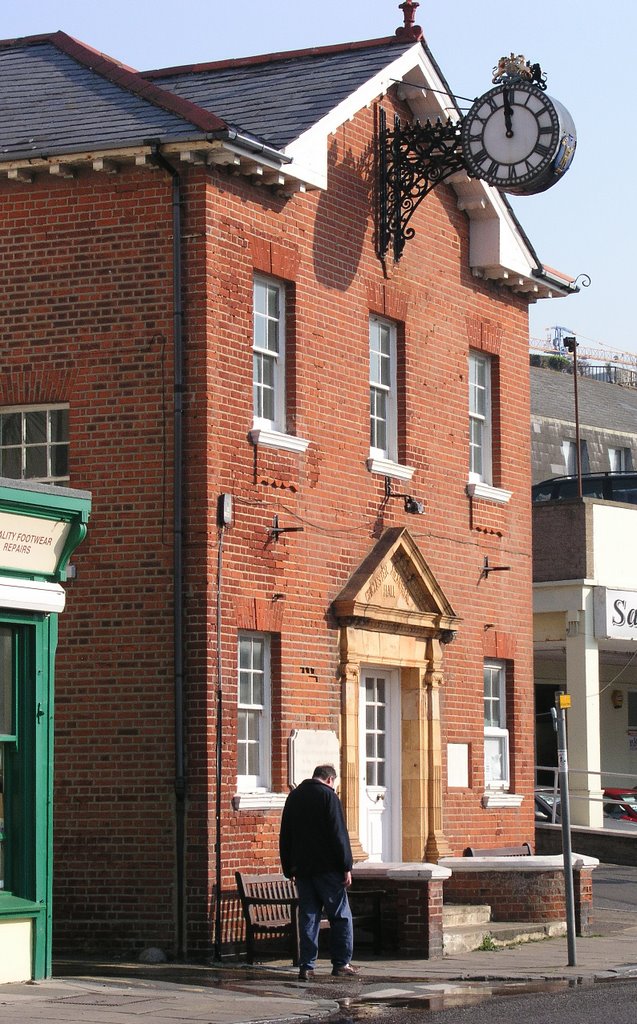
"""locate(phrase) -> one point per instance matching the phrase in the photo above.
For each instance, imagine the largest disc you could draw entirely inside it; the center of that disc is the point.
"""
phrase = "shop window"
(1, 815)
(7, 726)
(34, 443)
(6, 683)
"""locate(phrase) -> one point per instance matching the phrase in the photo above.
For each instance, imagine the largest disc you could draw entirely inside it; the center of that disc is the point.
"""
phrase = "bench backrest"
(501, 851)
(276, 891)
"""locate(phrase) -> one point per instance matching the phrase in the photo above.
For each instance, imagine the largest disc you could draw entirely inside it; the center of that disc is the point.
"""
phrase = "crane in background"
(553, 345)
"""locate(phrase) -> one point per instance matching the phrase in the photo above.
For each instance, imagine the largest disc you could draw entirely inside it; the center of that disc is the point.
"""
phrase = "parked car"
(547, 807)
(621, 804)
(608, 486)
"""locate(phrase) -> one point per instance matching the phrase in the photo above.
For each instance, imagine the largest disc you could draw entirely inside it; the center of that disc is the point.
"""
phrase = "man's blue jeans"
(324, 892)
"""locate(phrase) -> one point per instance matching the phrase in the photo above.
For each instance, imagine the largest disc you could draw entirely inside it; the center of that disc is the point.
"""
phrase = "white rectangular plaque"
(307, 748)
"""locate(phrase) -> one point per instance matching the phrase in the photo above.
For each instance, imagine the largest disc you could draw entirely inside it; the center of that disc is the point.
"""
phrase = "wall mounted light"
(617, 698)
(412, 505)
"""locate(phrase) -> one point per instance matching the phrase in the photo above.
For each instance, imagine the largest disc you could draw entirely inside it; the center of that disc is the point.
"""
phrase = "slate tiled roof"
(601, 405)
(57, 96)
(279, 97)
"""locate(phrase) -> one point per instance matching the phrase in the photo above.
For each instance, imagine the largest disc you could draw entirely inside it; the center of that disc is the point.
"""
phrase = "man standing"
(315, 851)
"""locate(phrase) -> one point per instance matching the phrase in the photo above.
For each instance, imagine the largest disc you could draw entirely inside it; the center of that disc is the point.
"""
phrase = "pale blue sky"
(585, 224)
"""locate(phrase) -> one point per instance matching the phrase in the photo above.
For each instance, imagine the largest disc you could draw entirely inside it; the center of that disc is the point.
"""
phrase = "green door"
(26, 656)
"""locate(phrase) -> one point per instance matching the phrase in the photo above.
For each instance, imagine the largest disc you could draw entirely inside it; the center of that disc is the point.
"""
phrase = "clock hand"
(508, 114)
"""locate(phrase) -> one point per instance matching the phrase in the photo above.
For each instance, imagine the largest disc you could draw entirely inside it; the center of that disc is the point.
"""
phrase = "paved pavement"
(108, 993)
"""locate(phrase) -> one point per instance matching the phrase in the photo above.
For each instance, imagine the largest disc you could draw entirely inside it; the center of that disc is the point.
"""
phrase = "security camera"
(415, 508)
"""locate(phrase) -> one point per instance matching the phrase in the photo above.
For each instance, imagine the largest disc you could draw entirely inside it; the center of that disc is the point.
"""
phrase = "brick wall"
(411, 911)
(563, 540)
(517, 895)
(86, 319)
(337, 282)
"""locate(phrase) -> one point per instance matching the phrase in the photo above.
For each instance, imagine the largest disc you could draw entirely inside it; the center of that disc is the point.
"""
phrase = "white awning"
(31, 595)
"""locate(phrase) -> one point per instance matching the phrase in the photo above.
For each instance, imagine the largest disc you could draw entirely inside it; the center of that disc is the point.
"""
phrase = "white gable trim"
(310, 150)
(498, 250)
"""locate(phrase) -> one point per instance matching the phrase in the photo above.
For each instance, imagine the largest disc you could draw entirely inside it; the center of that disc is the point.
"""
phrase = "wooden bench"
(524, 850)
(270, 908)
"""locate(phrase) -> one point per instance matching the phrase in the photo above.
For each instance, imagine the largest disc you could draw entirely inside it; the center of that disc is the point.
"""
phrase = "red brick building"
(193, 307)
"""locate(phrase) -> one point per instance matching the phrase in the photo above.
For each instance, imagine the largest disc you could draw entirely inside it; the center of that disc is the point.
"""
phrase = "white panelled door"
(379, 746)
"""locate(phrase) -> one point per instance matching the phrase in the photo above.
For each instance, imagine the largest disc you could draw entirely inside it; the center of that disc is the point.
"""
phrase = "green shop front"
(40, 527)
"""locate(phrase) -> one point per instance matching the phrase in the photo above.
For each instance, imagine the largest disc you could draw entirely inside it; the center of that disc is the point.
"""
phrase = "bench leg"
(377, 942)
(249, 945)
(294, 936)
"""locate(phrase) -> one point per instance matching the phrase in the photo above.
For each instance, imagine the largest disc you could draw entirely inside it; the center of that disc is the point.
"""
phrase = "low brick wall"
(610, 846)
(522, 888)
(529, 889)
(412, 906)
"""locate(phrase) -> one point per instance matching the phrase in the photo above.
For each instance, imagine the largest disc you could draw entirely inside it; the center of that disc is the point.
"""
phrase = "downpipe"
(178, 573)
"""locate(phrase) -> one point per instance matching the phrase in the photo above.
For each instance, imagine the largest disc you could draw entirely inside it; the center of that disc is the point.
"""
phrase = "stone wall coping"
(546, 862)
(400, 871)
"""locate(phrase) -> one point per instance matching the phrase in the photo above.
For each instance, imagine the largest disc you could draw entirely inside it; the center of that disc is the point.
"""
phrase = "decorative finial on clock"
(409, 31)
(512, 69)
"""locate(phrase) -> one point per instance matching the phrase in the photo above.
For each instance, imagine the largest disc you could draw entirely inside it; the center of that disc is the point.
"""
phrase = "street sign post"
(562, 702)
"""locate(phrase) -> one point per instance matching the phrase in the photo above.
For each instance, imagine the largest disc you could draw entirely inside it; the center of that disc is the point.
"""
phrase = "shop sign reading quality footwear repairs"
(31, 544)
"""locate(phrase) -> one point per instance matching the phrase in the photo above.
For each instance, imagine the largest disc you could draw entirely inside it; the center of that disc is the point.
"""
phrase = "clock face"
(511, 135)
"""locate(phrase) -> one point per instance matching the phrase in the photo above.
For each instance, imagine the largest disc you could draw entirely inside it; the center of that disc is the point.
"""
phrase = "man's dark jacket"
(313, 838)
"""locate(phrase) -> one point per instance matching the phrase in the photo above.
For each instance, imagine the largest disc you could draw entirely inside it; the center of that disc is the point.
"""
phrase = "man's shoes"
(345, 971)
(306, 973)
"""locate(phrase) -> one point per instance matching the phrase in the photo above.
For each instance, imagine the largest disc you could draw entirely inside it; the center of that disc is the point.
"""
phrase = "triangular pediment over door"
(394, 622)
(394, 590)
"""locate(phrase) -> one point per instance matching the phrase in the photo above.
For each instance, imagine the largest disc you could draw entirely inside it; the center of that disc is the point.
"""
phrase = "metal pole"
(562, 701)
(571, 345)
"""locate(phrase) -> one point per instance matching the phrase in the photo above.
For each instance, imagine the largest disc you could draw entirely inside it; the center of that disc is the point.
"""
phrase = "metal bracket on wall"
(275, 530)
(486, 568)
(412, 160)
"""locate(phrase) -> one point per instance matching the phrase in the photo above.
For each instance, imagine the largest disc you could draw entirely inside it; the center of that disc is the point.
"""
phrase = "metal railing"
(610, 374)
(550, 794)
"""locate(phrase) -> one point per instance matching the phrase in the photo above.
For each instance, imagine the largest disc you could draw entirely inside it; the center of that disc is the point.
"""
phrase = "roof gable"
(268, 117)
(279, 98)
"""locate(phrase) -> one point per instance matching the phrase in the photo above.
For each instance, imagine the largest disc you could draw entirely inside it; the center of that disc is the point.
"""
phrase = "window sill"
(500, 798)
(258, 801)
(486, 492)
(275, 439)
(14, 906)
(386, 467)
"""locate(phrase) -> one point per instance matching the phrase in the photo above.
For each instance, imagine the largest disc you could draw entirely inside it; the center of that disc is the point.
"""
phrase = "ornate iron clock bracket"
(413, 159)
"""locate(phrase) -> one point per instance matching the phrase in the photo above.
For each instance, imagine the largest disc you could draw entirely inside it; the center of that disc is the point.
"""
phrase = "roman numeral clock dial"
(517, 138)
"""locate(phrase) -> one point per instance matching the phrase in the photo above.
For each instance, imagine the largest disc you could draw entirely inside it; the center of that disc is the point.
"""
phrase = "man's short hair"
(324, 772)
